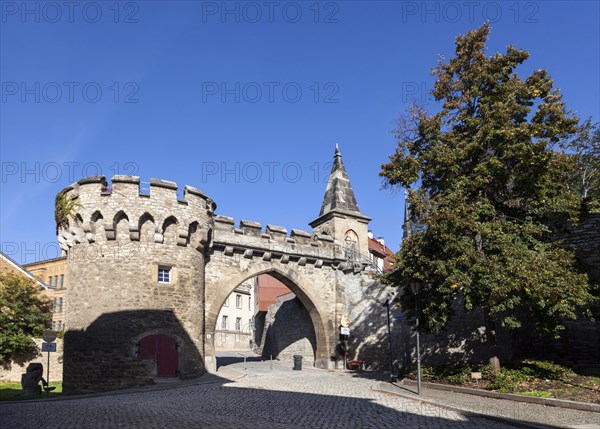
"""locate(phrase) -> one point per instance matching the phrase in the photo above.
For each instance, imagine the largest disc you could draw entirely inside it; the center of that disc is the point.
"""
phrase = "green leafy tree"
(585, 149)
(24, 314)
(483, 181)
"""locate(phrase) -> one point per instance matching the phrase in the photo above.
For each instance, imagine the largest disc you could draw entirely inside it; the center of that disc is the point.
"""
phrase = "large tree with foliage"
(24, 314)
(584, 147)
(483, 182)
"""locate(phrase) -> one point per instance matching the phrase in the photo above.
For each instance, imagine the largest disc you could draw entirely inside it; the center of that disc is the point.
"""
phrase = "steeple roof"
(339, 196)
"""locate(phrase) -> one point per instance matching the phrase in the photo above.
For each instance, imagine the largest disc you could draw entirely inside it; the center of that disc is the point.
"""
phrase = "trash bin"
(297, 363)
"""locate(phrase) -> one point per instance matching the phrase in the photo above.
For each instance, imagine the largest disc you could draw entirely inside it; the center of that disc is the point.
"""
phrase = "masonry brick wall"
(56, 364)
(288, 331)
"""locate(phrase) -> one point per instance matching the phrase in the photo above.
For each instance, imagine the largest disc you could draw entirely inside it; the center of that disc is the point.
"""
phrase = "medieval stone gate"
(151, 265)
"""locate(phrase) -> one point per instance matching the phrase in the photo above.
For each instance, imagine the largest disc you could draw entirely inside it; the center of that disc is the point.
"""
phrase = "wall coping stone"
(163, 183)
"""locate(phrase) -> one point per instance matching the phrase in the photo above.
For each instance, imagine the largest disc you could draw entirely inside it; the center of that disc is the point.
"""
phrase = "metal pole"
(48, 378)
(392, 377)
(418, 346)
(244, 362)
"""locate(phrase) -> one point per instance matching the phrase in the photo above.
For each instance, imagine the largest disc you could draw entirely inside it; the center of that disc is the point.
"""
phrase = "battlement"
(250, 240)
(131, 186)
(122, 210)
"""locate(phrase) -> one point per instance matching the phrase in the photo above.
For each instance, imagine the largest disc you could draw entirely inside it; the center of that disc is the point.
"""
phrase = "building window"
(53, 325)
(226, 303)
(60, 304)
(164, 274)
(62, 281)
(238, 301)
(224, 323)
(56, 280)
(49, 280)
(54, 305)
(238, 323)
(60, 325)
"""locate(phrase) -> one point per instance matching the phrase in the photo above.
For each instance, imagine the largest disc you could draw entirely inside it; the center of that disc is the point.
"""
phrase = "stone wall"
(585, 240)
(56, 364)
(288, 331)
(579, 345)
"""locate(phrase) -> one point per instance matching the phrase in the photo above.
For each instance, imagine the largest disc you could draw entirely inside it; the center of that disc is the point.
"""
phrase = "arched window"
(351, 245)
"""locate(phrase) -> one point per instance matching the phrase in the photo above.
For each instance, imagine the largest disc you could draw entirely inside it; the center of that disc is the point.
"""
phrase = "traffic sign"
(48, 347)
(344, 331)
(49, 336)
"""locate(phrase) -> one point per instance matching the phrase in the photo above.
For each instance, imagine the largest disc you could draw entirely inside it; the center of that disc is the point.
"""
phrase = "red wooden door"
(164, 350)
(166, 357)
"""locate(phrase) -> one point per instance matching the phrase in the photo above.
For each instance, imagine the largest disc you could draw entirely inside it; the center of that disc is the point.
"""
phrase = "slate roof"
(339, 195)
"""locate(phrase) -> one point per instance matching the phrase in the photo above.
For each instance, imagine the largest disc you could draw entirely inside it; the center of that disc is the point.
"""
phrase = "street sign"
(48, 347)
(49, 336)
(344, 331)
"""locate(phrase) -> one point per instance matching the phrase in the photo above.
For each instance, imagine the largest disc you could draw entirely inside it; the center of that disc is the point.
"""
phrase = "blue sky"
(244, 100)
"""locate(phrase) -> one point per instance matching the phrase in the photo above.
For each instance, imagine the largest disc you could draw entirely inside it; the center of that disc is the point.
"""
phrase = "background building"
(381, 257)
(236, 319)
(54, 273)
(9, 266)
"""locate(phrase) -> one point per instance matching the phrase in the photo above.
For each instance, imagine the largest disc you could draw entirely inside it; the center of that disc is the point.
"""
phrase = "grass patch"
(11, 391)
(536, 393)
(529, 377)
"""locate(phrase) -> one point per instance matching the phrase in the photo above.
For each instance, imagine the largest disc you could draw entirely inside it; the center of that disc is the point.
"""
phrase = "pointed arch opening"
(169, 230)
(276, 332)
(146, 227)
(121, 226)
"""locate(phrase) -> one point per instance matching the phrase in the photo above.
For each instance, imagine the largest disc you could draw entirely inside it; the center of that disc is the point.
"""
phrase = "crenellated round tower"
(136, 270)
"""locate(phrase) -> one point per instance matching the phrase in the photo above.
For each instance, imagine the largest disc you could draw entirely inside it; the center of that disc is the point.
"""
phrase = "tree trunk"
(490, 333)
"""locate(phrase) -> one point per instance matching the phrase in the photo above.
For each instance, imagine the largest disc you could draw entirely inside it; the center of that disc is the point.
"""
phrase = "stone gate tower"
(136, 266)
(149, 273)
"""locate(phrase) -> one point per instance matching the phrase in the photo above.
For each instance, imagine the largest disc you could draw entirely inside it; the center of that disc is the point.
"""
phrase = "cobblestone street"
(264, 398)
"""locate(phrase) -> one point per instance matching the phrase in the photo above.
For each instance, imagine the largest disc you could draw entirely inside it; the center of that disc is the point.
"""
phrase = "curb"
(561, 403)
(464, 411)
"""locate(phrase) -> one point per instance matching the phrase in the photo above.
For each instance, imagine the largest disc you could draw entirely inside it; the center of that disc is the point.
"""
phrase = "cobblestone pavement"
(264, 398)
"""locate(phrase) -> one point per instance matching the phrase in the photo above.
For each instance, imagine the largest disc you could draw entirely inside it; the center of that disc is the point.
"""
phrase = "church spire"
(406, 227)
(339, 196)
(340, 217)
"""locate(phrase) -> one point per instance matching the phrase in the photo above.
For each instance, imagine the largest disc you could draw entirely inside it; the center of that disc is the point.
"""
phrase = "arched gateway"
(149, 273)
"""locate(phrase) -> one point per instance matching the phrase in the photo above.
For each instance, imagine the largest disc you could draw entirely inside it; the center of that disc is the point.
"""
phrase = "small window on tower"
(164, 274)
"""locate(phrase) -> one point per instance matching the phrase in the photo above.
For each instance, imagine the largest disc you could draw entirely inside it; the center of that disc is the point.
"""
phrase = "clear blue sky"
(180, 96)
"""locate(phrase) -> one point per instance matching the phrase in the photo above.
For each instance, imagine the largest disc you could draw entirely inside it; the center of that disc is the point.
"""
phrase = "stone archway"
(290, 279)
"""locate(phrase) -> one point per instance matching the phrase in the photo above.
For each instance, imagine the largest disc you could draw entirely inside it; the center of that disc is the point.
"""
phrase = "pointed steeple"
(406, 227)
(340, 217)
(339, 195)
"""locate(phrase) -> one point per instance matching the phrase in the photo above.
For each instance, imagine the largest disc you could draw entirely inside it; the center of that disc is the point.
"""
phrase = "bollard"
(297, 362)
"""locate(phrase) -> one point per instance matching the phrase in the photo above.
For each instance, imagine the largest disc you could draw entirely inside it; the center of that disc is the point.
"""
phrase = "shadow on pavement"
(225, 405)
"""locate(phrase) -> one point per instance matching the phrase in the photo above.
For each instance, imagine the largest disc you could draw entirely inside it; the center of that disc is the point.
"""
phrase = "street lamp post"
(415, 287)
(392, 375)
